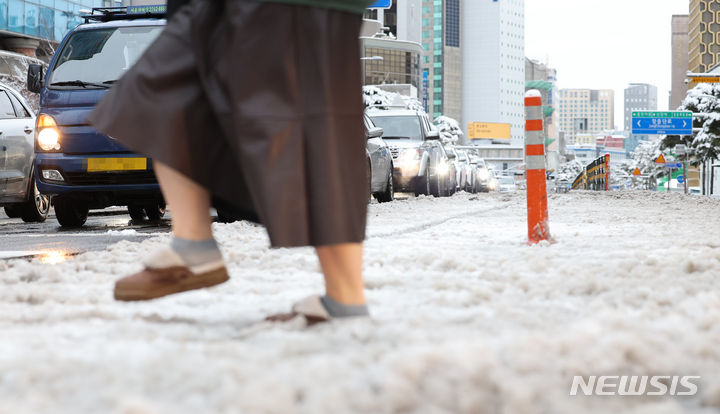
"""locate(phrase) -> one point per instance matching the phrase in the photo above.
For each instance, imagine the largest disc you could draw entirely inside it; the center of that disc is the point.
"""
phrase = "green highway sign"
(654, 114)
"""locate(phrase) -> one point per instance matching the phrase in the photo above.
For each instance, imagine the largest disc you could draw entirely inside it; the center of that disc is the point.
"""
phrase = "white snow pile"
(13, 72)
(126, 232)
(449, 128)
(570, 170)
(379, 99)
(467, 318)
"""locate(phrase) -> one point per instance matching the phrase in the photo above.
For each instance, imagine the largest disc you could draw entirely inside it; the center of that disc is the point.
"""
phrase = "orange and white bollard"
(538, 228)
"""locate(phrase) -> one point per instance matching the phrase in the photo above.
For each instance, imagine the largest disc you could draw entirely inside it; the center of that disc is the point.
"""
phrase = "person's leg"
(188, 201)
(193, 259)
(342, 267)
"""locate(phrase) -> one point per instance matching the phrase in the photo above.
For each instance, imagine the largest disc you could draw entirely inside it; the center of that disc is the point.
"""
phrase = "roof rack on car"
(106, 14)
(389, 106)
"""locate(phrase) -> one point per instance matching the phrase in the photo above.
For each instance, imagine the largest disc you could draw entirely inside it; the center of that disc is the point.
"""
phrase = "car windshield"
(99, 57)
(399, 127)
(507, 180)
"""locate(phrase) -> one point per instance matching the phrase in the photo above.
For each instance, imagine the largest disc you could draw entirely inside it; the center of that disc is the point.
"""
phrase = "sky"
(604, 44)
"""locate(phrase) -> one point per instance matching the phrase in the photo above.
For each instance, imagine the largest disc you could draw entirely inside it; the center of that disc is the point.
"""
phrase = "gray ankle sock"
(196, 253)
(339, 310)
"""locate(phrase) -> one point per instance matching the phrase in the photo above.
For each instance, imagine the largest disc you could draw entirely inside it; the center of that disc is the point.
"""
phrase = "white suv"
(421, 164)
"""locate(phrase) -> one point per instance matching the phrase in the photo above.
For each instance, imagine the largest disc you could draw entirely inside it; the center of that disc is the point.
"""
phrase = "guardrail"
(595, 176)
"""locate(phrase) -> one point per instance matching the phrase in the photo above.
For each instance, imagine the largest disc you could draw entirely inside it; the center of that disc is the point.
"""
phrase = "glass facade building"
(45, 19)
(400, 63)
(441, 38)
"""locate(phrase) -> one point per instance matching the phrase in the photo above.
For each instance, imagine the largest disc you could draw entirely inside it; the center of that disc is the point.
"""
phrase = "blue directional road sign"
(680, 179)
(381, 4)
(673, 165)
(662, 123)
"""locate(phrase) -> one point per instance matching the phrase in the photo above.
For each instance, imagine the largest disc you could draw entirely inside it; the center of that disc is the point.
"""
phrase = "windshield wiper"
(80, 83)
(109, 82)
(391, 137)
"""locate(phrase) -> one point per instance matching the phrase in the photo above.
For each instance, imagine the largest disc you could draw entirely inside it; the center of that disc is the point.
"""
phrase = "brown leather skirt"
(261, 104)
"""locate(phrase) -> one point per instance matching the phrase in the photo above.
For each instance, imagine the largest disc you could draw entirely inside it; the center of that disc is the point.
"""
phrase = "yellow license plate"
(116, 164)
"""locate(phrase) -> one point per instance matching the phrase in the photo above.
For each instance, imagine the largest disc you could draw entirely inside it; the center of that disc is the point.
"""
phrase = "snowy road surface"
(466, 317)
(103, 228)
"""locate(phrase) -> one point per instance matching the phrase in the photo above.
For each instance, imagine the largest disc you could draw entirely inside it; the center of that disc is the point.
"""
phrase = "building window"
(452, 23)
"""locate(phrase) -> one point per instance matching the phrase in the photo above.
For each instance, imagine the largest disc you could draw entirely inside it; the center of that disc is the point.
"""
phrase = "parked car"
(461, 173)
(80, 167)
(483, 176)
(19, 194)
(469, 172)
(421, 164)
(506, 184)
(380, 164)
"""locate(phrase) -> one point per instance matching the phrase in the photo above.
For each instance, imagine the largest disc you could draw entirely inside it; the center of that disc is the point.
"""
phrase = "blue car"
(77, 166)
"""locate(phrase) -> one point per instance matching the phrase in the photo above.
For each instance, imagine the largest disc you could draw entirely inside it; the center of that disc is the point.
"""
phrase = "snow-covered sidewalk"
(466, 317)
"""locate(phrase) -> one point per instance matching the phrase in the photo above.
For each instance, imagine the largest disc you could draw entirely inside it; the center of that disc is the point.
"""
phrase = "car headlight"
(48, 135)
(409, 156)
(442, 168)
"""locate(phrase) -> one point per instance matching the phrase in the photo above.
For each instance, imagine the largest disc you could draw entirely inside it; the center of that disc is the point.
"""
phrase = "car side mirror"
(451, 156)
(35, 78)
(376, 132)
(433, 134)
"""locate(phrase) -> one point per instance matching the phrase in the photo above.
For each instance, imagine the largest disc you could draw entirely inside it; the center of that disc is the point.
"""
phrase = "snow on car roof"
(393, 112)
(121, 23)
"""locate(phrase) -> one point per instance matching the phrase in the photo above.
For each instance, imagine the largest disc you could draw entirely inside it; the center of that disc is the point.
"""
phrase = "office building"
(399, 66)
(586, 111)
(442, 57)
(34, 28)
(544, 79)
(638, 97)
(679, 60)
(402, 19)
(704, 44)
(493, 64)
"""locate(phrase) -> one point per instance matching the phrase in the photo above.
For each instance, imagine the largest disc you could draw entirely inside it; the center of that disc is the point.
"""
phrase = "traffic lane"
(103, 228)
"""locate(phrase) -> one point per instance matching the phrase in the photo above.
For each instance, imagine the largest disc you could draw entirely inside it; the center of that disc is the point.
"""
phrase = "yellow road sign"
(706, 79)
(488, 130)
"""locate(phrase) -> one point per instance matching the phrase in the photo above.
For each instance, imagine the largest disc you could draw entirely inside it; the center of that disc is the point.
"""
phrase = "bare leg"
(189, 202)
(342, 267)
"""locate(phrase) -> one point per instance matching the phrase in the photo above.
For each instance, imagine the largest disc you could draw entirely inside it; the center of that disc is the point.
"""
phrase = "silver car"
(380, 164)
(506, 184)
(18, 192)
(421, 163)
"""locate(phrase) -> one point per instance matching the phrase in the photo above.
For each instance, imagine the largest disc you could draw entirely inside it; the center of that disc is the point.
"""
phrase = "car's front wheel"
(70, 213)
(137, 213)
(389, 194)
(439, 187)
(36, 209)
(155, 212)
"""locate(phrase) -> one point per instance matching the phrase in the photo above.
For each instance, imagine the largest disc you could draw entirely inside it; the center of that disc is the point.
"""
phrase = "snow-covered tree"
(382, 99)
(569, 170)
(450, 131)
(644, 158)
(703, 145)
(374, 96)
